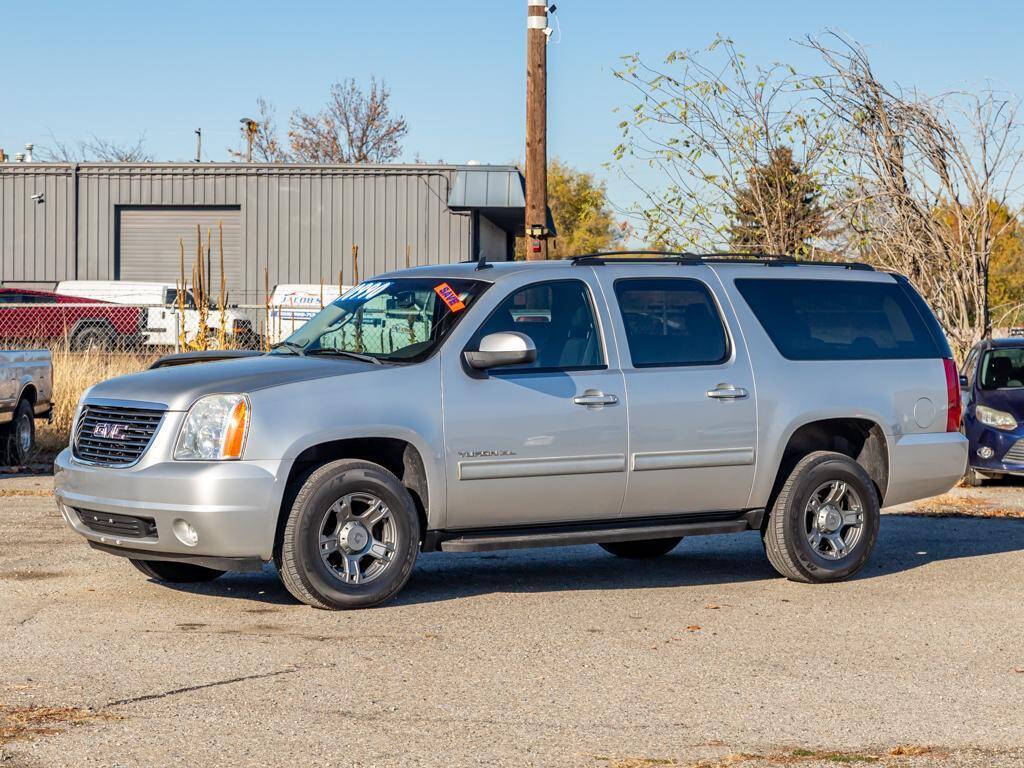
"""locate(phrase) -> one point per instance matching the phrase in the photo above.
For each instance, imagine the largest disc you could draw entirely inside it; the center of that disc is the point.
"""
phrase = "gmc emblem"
(111, 431)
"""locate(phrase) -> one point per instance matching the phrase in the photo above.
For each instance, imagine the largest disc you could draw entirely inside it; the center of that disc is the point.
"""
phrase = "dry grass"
(793, 757)
(7, 492)
(25, 722)
(955, 505)
(73, 373)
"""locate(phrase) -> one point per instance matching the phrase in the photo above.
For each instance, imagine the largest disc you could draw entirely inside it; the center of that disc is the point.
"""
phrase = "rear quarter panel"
(905, 398)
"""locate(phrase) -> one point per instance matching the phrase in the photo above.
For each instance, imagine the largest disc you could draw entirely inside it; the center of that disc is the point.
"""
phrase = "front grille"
(1016, 453)
(124, 526)
(113, 436)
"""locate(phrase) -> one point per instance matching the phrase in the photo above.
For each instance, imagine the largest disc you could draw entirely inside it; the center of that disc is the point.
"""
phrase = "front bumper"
(232, 505)
(1007, 457)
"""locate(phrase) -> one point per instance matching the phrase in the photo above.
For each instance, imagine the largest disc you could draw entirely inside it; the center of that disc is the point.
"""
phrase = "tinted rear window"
(839, 319)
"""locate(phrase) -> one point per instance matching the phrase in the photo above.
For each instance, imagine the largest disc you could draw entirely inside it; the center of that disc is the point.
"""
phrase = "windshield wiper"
(291, 346)
(346, 353)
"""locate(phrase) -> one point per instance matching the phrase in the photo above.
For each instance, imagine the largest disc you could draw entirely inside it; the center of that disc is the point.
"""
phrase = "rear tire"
(351, 537)
(93, 337)
(176, 573)
(824, 521)
(641, 550)
(18, 439)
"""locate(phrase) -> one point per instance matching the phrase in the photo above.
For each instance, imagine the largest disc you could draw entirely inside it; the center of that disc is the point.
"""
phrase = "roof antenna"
(481, 263)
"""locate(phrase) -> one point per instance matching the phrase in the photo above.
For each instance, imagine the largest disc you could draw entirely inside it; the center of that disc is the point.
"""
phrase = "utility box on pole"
(536, 129)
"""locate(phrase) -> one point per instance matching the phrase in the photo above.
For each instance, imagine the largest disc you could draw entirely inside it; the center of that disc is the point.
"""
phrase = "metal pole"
(199, 145)
(536, 130)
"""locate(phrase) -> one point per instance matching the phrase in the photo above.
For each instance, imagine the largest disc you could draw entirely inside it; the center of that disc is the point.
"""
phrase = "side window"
(558, 316)
(839, 319)
(671, 321)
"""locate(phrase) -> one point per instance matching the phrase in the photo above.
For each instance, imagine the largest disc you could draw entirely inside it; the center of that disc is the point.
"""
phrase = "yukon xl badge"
(478, 454)
(110, 431)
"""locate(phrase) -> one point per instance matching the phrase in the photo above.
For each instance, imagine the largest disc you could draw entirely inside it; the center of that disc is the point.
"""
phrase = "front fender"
(396, 403)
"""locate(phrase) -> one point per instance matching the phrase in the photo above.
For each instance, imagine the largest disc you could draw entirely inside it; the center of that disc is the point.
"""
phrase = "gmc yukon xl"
(612, 400)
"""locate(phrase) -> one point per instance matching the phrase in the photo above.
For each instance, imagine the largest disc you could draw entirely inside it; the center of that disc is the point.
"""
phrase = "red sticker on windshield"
(449, 297)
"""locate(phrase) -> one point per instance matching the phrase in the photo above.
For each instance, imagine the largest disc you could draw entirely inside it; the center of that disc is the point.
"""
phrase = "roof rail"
(668, 257)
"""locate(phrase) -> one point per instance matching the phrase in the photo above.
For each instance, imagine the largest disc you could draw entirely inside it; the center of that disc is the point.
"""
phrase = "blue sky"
(116, 69)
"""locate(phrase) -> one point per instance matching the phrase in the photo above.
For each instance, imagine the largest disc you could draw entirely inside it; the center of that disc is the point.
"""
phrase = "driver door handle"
(727, 392)
(594, 398)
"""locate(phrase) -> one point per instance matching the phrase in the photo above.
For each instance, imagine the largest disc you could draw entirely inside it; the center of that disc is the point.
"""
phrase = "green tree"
(715, 136)
(780, 196)
(584, 219)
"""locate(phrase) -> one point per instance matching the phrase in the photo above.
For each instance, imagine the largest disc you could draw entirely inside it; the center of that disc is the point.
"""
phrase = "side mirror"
(963, 381)
(500, 349)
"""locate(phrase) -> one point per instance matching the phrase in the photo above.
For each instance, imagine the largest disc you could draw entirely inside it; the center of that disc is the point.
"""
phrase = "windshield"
(402, 320)
(1003, 368)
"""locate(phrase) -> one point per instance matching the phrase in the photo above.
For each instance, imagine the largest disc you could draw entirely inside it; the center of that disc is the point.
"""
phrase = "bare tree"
(266, 146)
(924, 181)
(710, 125)
(96, 150)
(355, 127)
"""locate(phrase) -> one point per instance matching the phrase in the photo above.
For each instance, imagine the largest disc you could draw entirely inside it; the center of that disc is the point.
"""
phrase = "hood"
(178, 387)
(1009, 400)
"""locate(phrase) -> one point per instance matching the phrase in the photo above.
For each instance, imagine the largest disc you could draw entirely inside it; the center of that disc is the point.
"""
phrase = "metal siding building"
(107, 221)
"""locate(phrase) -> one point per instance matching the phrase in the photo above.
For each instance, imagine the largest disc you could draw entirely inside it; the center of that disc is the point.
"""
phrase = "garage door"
(148, 246)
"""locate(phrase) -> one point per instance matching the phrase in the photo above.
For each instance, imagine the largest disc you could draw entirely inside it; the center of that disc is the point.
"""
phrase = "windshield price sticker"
(449, 297)
(364, 291)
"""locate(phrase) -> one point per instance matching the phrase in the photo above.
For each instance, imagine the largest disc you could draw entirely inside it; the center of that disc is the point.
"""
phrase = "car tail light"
(954, 405)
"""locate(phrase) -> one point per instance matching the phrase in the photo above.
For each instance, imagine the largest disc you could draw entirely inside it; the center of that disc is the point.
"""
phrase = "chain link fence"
(92, 341)
(148, 329)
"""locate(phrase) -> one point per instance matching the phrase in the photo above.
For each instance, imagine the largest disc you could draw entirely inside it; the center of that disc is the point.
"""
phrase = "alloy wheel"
(833, 519)
(358, 537)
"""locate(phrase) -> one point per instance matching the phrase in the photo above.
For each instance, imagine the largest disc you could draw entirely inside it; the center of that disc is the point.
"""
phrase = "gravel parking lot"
(556, 657)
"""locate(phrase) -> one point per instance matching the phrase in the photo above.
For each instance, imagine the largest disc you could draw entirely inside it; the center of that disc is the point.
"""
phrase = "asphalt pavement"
(552, 657)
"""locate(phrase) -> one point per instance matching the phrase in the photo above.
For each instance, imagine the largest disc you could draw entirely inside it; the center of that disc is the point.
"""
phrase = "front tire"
(18, 440)
(824, 522)
(641, 550)
(176, 573)
(351, 537)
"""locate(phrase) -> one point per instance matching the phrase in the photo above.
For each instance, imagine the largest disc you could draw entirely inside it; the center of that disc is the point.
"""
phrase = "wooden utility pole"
(536, 129)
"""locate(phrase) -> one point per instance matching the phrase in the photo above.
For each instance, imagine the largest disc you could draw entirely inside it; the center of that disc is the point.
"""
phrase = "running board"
(486, 540)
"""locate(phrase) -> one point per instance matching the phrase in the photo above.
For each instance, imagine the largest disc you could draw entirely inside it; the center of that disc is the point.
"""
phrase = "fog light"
(985, 452)
(186, 534)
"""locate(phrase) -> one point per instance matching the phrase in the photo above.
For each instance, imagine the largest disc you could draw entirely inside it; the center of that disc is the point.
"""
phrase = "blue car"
(992, 387)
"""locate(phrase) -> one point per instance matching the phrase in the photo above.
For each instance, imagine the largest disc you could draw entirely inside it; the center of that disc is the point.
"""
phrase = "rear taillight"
(954, 405)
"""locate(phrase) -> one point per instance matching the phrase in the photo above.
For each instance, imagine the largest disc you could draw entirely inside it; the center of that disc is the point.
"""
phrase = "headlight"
(214, 429)
(990, 417)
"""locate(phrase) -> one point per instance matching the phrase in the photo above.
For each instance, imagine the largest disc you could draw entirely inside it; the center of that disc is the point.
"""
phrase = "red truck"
(41, 317)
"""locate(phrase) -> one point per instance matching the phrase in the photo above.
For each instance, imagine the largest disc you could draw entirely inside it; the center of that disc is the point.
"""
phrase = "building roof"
(498, 192)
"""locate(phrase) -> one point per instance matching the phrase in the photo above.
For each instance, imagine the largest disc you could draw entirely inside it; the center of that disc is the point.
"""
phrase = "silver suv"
(620, 401)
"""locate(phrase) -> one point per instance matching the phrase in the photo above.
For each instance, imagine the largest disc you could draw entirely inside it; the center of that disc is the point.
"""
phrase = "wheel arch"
(28, 392)
(91, 322)
(402, 457)
(860, 438)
